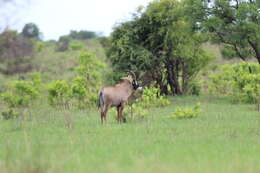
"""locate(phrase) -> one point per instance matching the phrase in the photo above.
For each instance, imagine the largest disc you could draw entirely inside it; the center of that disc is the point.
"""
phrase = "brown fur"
(115, 96)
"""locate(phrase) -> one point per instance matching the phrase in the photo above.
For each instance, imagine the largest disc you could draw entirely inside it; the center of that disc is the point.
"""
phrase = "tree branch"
(255, 48)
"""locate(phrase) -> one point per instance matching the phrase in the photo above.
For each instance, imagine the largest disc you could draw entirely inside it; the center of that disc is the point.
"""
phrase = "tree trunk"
(173, 79)
(158, 77)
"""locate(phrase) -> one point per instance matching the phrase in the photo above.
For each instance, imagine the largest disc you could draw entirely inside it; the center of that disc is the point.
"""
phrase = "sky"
(58, 17)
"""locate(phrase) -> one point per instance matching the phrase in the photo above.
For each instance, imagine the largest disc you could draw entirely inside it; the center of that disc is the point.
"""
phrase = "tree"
(164, 42)
(236, 24)
(31, 30)
(16, 53)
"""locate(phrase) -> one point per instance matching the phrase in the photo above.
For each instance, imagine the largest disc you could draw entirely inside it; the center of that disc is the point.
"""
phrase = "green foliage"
(11, 100)
(26, 89)
(135, 111)
(40, 46)
(82, 91)
(220, 83)
(72, 40)
(10, 114)
(31, 30)
(21, 94)
(36, 79)
(241, 81)
(195, 88)
(89, 66)
(80, 35)
(187, 112)
(59, 93)
(79, 91)
(91, 70)
(79, 88)
(151, 98)
(76, 45)
(164, 43)
(236, 25)
(63, 44)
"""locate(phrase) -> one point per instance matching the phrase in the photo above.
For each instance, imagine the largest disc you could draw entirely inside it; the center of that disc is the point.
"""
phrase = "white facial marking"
(140, 88)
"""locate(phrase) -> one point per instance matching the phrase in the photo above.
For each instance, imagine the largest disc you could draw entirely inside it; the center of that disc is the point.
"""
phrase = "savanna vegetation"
(198, 62)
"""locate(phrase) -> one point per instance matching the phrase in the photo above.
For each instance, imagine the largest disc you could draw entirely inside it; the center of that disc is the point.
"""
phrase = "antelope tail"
(101, 100)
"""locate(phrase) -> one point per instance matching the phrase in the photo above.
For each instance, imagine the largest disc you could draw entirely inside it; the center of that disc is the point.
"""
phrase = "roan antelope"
(117, 96)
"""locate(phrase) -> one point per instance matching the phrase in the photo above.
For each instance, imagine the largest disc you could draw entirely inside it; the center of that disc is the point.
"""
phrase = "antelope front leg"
(121, 114)
(118, 113)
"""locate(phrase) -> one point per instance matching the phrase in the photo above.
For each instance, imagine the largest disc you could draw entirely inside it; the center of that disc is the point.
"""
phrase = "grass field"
(224, 138)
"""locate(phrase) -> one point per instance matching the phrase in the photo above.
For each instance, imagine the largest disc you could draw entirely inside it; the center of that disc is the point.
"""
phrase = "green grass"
(224, 138)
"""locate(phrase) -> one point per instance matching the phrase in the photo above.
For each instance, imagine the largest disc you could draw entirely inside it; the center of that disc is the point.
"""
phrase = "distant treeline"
(79, 35)
(18, 49)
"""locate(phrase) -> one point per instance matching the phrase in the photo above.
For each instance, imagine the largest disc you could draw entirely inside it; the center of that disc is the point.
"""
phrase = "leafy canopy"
(163, 42)
(236, 24)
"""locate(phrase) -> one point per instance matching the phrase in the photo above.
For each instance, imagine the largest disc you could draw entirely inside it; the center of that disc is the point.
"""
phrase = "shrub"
(136, 111)
(79, 91)
(63, 44)
(59, 93)
(76, 45)
(195, 88)
(9, 114)
(40, 46)
(240, 81)
(221, 82)
(187, 112)
(91, 71)
(20, 95)
(151, 97)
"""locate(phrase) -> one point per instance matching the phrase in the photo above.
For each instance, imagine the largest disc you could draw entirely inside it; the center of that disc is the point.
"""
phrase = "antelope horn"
(133, 74)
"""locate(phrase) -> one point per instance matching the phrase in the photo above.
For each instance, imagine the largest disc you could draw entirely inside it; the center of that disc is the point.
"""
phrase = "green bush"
(20, 95)
(9, 114)
(151, 97)
(59, 93)
(40, 46)
(79, 91)
(187, 112)
(136, 111)
(91, 71)
(239, 81)
(195, 88)
(82, 92)
(221, 83)
(76, 45)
